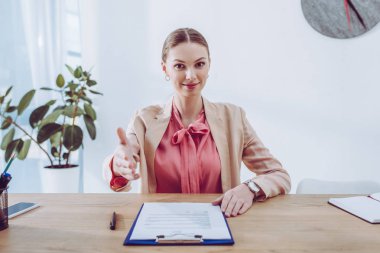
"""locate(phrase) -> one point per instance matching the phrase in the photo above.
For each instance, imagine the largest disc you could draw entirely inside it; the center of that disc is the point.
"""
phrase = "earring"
(167, 78)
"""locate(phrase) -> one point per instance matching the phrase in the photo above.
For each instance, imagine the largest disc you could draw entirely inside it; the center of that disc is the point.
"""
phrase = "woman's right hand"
(124, 164)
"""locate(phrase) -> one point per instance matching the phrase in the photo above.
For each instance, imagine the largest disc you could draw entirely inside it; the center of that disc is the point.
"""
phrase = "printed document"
(180, 221)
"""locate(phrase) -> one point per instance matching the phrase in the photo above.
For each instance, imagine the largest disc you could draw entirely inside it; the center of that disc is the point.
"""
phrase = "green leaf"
(15, 145)
(90, 111)
(46, 88)
(25, 149)
(54, 152)
(60, 82)
(78, 72)
(6, 123)
(48, 130)
(25, 101)
(72, 86)
(8, 105)
(73, 111)
(51, 102)
(73, 137)
(55, 139)
(85, 98)
(70, 69)
(2, 100)
(91, 82)
(37, 115)
(8, 91)
(11, 109)
(96, 92)
(60, 107)
(51, 118)
(90, 126)
(7, 138)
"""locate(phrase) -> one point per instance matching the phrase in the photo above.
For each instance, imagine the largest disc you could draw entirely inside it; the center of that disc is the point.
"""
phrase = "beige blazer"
(234, 137)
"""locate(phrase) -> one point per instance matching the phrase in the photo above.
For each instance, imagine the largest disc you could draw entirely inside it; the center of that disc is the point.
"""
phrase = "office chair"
(314, 186)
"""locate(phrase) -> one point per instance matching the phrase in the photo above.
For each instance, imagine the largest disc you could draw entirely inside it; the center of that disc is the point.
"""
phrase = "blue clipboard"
(198, 240)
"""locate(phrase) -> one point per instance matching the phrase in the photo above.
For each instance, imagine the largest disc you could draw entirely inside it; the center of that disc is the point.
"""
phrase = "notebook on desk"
(364, 207)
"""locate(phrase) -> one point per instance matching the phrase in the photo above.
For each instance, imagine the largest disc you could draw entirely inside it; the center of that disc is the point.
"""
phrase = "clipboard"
(172, 240)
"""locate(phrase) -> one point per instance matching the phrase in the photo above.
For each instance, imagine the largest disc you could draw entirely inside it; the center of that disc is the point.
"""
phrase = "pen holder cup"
(3, 208)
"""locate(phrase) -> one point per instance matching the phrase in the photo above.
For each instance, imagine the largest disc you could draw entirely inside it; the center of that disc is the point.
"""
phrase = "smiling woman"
(191, 145)
(186, 62)
(187, 66)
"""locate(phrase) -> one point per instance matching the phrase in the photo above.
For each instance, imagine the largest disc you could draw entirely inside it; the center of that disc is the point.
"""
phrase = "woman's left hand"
(235, 201)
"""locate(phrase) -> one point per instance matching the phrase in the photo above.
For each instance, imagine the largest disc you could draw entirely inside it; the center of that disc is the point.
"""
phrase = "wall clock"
(341, 19)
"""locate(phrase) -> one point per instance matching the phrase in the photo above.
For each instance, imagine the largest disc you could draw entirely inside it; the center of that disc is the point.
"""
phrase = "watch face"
(341, 18)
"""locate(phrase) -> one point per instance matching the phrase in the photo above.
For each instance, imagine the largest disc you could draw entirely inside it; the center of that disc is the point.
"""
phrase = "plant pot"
(60, 179)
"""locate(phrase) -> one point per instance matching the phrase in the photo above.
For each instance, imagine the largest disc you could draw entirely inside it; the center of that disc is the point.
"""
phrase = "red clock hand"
(346, 7)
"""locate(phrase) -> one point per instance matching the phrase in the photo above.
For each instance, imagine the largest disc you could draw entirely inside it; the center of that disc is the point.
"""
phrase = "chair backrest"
(314, 186)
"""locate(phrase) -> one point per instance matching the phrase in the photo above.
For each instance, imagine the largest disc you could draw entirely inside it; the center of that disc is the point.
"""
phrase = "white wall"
(313, 100)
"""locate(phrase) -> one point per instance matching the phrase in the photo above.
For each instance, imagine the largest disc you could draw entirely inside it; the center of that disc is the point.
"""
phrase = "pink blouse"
(187, 160)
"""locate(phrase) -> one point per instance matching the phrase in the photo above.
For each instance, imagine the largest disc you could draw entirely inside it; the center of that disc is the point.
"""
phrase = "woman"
(191, 145)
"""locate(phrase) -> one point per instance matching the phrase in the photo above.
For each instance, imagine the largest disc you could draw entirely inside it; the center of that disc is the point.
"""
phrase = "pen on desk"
(113, 221)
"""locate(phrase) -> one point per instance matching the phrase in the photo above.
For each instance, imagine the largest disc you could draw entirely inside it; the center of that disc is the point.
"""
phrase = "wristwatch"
(252, 187)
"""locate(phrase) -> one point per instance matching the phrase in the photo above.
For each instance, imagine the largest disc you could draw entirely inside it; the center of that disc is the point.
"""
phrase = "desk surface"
(79, 223)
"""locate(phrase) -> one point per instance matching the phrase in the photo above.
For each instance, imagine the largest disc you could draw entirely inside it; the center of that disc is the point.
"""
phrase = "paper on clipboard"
(180, 221)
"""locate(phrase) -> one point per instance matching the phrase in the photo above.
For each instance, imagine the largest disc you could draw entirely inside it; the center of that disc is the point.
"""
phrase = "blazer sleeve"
(271, 177)
(114, 181)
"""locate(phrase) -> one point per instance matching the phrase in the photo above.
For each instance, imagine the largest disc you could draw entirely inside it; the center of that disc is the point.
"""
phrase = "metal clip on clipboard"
(179, 239)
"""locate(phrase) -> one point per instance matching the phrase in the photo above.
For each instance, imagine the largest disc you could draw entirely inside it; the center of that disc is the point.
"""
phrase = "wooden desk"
(79, 223)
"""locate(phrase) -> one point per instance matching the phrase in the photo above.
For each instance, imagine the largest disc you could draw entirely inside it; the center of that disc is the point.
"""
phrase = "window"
(72, 33)
(33, 49)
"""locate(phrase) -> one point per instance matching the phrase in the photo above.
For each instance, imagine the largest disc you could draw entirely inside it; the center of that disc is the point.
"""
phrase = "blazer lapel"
(218, 132)
(154, 133)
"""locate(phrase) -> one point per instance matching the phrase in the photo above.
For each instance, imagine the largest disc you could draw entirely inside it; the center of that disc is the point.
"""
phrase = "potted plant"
(58, 123)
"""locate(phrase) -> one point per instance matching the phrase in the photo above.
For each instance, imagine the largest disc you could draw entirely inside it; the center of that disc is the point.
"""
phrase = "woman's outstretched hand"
(124, 163)
(235, 201)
